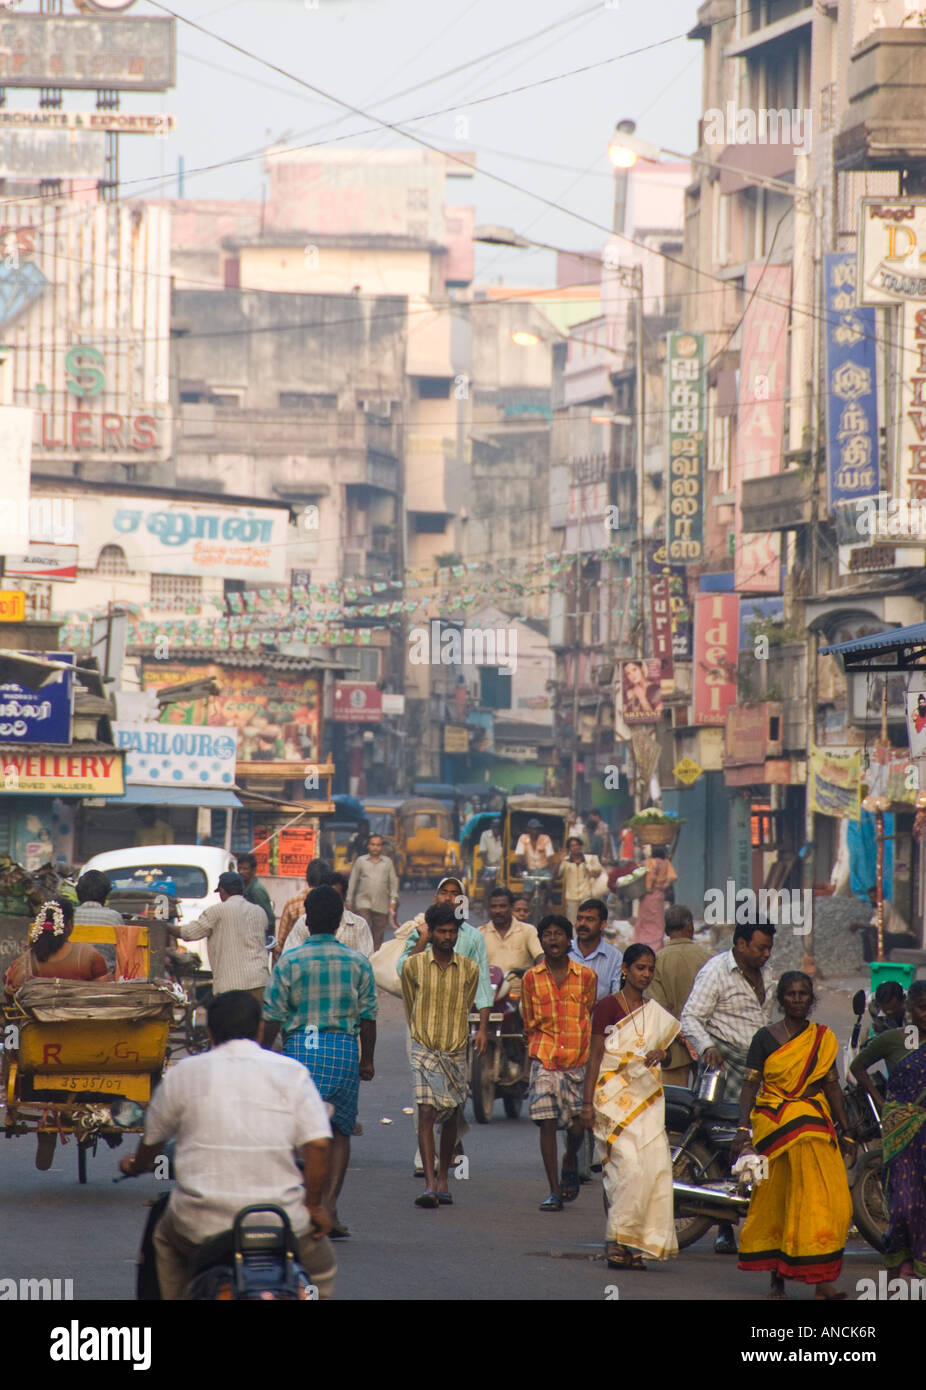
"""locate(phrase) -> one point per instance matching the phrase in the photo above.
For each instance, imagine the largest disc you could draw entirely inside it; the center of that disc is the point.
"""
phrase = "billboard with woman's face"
(641, 691)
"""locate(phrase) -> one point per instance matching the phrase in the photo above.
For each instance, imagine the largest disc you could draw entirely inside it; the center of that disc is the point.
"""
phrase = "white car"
(192, 869)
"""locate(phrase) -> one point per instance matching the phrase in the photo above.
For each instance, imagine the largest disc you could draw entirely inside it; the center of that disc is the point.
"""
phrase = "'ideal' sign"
(715, 656)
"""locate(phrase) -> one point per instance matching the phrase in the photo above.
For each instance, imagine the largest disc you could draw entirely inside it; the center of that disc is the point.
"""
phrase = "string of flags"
(313, 613)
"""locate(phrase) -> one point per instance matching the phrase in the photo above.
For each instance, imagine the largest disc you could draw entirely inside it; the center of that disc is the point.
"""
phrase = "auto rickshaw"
(473, 866)
(543, 887)
(426, 846)
(81, 1058)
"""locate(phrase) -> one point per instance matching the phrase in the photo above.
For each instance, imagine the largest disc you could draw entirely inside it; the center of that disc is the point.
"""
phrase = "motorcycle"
(184, 969)
(244, 1264)
(503, 1069)
(869, 1205)
(701, 1134)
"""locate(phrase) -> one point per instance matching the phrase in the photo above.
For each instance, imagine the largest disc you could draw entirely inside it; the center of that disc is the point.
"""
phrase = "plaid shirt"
(559, 1021)
(438, 1000)
(724, 1006)
(321, 983)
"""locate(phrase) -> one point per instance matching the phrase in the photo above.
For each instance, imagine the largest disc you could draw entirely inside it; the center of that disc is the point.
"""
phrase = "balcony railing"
(884, 124)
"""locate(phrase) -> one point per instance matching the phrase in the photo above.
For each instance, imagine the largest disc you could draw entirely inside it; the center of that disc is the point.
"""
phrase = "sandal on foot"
(428, 1199)
(569, 1182)
(553, 1203)
(618, 1257)
(445, 1199)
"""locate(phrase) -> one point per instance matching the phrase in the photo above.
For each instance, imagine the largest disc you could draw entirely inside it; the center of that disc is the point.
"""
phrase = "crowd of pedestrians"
(604, 1034)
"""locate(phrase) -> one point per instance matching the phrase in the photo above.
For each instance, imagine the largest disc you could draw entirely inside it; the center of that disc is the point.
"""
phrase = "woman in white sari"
(625, 1107)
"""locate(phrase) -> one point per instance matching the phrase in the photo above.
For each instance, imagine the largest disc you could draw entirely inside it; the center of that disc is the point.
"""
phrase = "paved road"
(493, 1243)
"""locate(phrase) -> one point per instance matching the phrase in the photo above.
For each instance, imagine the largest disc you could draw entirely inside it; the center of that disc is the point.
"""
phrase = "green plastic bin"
(904, 972)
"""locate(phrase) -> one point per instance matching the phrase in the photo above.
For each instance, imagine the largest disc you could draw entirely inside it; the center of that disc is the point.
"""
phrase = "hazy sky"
(549, 140)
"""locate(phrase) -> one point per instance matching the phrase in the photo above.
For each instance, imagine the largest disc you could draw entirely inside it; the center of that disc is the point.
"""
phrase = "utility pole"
(636, 281)
(577, 645)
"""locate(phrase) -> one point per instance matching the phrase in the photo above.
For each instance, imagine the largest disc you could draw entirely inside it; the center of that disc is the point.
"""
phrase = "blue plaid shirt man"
(321, 983)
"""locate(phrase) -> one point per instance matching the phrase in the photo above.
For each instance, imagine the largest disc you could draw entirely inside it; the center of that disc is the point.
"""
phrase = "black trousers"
(900, 941)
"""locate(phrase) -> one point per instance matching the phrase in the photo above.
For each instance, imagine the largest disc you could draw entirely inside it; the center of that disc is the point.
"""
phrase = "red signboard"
(715, 656)
(762, 394)
(357, 703)
(661, 620)
(297, 847)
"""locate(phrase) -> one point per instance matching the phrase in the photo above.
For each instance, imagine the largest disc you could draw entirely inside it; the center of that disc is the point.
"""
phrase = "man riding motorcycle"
(239, 1115)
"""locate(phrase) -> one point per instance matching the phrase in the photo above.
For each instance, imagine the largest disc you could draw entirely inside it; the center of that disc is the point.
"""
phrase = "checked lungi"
(333, 1062)
(440, 1079)
(555, 1095)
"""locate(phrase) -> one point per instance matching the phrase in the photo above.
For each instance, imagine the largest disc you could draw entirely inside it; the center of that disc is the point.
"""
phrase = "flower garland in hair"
(49, 918)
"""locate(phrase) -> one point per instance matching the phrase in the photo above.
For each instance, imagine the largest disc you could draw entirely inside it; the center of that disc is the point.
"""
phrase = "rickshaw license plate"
(131, 1087)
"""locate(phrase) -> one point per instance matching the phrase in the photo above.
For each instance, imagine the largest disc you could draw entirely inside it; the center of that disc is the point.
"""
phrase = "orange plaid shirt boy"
(559, 1021)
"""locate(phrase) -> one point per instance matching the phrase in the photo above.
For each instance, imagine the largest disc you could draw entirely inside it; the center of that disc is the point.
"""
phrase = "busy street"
(463, 669)
(493, 1244)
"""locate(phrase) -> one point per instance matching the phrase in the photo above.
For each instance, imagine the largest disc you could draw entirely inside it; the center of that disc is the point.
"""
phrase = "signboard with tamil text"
(685, 496)
(167, 537)
(851, 387)
(38, 716)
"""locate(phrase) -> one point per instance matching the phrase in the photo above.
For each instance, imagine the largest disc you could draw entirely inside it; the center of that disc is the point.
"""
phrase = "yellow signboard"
(456, 739)
(67, 773)
(687, 771)
(12, 606)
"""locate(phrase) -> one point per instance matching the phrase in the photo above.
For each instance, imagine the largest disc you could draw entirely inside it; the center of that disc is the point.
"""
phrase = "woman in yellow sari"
(799, 1215)
(624, 1104)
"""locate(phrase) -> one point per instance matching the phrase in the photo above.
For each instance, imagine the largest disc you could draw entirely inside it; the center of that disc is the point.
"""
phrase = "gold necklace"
(640, 1034)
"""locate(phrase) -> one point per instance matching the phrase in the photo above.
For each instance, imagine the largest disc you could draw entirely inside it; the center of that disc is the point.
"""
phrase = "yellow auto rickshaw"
(541, 883)
(425, 845)
(81, 1058)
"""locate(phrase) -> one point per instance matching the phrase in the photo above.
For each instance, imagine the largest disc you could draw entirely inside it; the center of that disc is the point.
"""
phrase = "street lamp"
(625, 148)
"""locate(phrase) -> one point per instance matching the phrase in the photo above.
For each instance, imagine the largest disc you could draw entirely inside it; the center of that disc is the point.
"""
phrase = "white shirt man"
(353, 932)
(239, 1115)
(237, 933)
(490, 848)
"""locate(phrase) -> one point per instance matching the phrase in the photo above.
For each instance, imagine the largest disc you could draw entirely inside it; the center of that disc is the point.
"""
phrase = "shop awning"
(907, 645)
(212, 797)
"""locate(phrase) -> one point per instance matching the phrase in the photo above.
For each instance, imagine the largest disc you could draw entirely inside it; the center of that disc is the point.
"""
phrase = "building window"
(112, 561)
(175, 590)
(434, 388)
(494, 688)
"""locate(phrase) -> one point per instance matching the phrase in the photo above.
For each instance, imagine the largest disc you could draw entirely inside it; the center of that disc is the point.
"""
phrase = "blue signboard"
(38, 716)
(851, 387)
